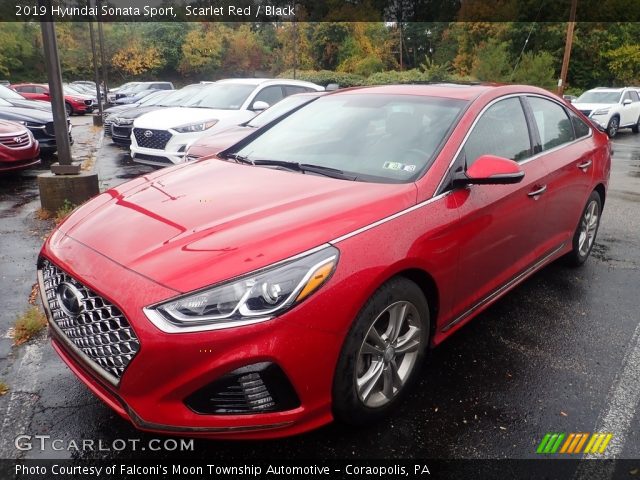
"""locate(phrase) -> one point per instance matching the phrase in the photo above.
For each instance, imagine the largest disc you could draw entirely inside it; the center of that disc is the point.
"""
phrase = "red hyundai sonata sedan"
(301, 274)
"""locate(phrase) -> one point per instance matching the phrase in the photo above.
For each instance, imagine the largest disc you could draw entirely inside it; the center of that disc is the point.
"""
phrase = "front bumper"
(168, 368)
(173, 153)
(121, 134)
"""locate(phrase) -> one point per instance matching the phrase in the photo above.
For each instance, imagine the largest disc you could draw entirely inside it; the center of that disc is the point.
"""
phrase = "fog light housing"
(258, 388)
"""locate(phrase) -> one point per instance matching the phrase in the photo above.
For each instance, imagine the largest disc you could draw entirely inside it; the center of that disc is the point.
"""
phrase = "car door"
(633, 108)
(27, 91)
(568, 150)
(499, 224)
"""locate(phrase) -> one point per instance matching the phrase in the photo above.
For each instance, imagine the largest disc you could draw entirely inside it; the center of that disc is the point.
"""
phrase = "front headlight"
(196, 127)
(602, 111)
(253, 298)
(123, 121)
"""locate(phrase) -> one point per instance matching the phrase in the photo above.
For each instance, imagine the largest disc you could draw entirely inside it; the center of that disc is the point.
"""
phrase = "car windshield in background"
(377, 138)
(283, 106)
(178, 98)
(6, 92)
(222, 96)
(599, 97)
(71, 91)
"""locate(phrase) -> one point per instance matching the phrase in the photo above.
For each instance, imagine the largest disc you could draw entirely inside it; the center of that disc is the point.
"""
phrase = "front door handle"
(584, 165)
(538, 192)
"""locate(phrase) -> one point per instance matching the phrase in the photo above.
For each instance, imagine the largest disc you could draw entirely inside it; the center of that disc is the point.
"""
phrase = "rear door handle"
(538, 192)
(584, 165)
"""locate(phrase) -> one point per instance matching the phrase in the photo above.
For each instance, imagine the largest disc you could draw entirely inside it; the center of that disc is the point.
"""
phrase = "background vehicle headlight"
(196, 127)
(123, 121)
(602, 111)
(255, 297)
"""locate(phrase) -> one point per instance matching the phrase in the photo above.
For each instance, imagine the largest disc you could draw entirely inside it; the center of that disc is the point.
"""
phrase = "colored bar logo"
(552, 443)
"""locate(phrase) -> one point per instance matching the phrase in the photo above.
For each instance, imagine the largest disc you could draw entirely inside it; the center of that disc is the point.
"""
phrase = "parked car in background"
(111, 94)
(136, 98)
(18, 148)
(611, 108)
(162, 137)
(141, 87)
(108, 113)
(39, 122)
(17, 100)
(74, 102)
(320, 258)
(122, 123)
(215, 142)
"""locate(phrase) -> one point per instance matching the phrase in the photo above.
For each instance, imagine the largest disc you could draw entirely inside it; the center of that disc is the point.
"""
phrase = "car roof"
(446, 90)
(262, 81)
(608, 89)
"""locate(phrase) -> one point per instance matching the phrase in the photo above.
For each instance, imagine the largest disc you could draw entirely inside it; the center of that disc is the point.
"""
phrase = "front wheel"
(636, 127)
(68, 109)
(613, 127)
(585, 234)
(382, 353)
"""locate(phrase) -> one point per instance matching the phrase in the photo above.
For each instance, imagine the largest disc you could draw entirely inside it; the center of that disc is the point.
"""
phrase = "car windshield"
(377, 138)
(279, 109)
(8, 93)
(154, 98)
(593, 96)
(177, 98)
(222, 96)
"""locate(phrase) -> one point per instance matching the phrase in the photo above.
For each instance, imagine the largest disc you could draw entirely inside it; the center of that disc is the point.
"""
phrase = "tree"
(536, 69)
(491, 62)
(137, 58)
(624, 64)
(202, 49)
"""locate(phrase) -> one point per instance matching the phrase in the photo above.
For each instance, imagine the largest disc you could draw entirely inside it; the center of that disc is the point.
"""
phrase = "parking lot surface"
(560, 353)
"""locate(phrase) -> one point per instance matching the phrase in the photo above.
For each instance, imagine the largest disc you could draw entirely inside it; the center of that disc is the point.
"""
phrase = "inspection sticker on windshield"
(398, 166)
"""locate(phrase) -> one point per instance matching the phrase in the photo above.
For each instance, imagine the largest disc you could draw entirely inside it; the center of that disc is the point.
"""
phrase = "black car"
(39, 122)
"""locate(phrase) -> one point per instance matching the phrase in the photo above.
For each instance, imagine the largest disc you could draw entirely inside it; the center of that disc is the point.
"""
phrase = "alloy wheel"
(388, 354)
(588, 227)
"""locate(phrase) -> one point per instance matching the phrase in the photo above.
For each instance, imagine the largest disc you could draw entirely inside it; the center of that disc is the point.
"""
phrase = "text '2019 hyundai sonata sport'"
(299, 276)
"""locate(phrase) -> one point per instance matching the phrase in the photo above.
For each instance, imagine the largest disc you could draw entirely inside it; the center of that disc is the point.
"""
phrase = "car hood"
(592, 106)
(120, 108)
(176, 116)
(174, 226)
(37, 104)
(138, 112)
(26, 114)
(212, 144)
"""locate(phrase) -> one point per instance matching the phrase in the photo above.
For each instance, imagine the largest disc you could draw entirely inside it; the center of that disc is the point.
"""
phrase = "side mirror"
(491, 170)
(259, 106)
(626, 102)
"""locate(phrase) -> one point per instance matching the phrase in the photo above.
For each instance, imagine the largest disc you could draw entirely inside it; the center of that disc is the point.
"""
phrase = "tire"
(585, 235)
(613, 126)
(636, 127)
(367, 355)
(69, 109)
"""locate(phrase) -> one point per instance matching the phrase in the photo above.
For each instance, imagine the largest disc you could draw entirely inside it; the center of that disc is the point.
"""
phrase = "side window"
(634, 96)
(40, 90)
(580, 128)
(552, 121)
(292, 90)
(502, 131)
(271, 95)
(626, 96)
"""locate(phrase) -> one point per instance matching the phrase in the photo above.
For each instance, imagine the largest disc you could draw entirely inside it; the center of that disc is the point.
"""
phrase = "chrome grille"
(50, 129)
(107, 127)
(119, 131)
(88, 102)
(148, 138)
(99, 330)
(15, 141)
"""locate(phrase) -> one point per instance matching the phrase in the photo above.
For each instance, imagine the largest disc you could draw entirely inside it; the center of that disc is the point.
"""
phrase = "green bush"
(325, 77)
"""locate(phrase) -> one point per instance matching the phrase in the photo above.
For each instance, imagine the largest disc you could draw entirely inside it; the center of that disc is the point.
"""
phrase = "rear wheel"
(613, 127)
(636, 127)
(585, 234)
(382, 353)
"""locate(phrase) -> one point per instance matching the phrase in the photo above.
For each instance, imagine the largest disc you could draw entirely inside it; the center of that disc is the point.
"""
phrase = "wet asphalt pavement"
(555, 355)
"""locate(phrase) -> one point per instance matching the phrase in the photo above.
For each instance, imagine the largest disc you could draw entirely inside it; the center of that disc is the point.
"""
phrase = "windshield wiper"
(237, 157)
(306, 167)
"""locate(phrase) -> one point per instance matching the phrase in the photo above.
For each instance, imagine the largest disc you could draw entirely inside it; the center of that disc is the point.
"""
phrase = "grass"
(60, 214)
(28, 324)
(4, 388)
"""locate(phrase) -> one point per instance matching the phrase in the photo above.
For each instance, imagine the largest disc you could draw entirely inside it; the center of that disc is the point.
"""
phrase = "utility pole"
(96, 77)
(52, 63)
(102, 60)
(567, 47)
(400, 29)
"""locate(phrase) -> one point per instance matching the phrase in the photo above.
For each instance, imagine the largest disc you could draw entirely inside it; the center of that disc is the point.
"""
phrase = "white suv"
(163, 137)
(611, 108)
